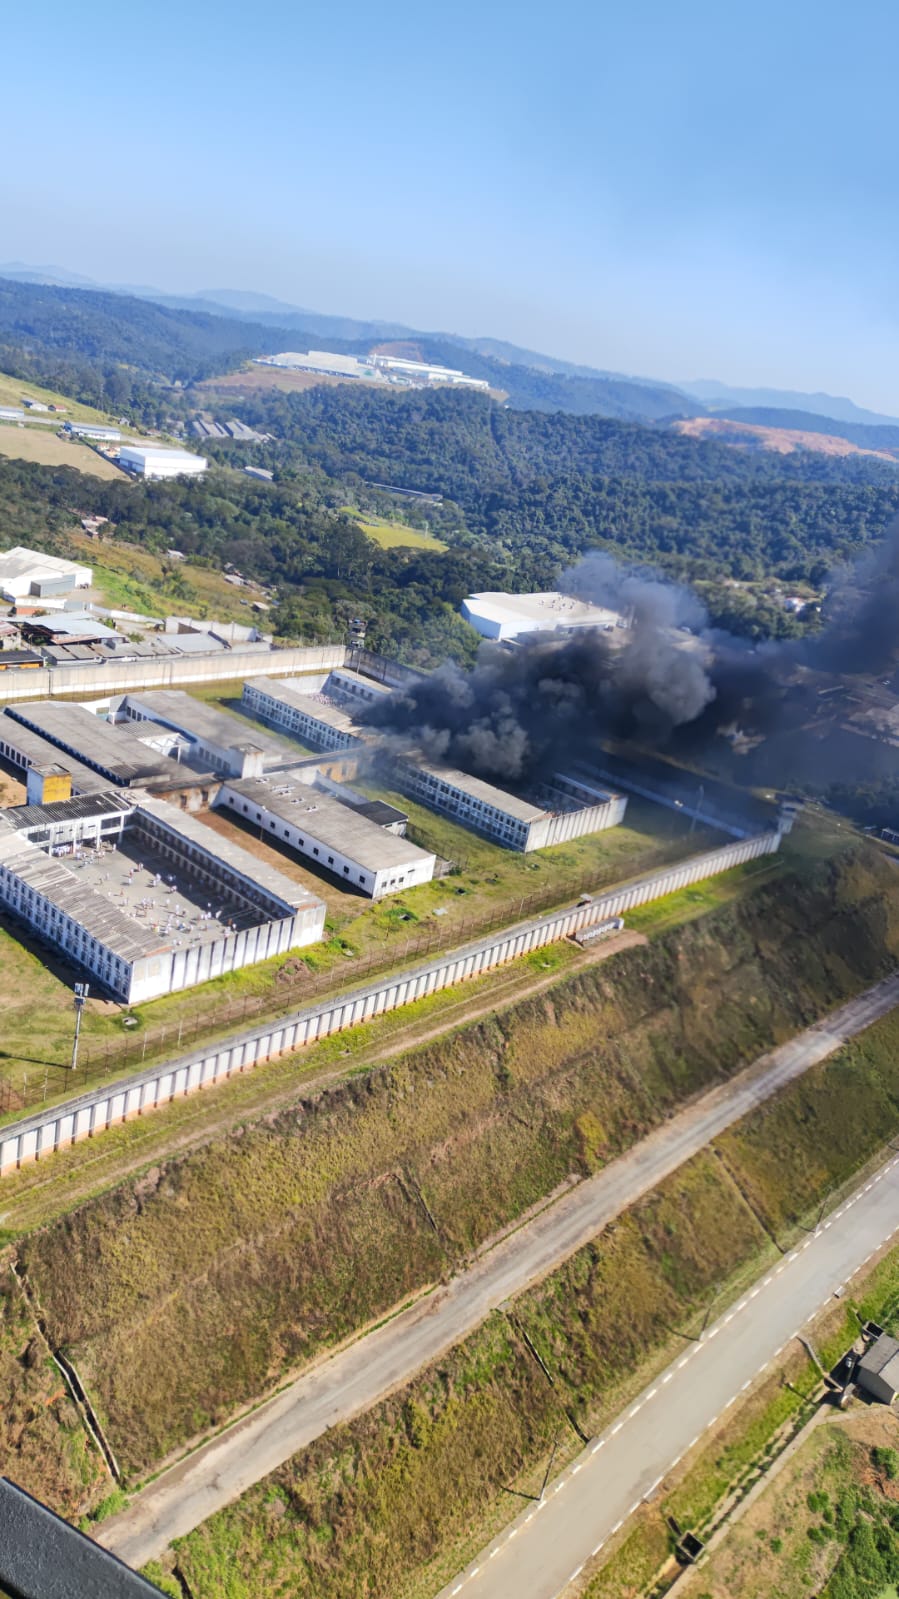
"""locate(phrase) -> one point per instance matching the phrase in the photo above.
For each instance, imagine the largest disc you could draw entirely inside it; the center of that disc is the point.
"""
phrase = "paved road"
(349, 1383)
(543, 1552)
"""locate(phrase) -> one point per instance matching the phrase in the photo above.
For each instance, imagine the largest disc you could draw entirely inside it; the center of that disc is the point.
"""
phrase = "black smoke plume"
(665, 681)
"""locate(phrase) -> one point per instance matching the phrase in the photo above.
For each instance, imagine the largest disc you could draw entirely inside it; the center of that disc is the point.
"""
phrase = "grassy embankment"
(260, 1249)
(492, 886)
(366, 1508)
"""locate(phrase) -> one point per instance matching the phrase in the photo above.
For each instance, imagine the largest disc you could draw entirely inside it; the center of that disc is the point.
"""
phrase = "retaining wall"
(91, 1113)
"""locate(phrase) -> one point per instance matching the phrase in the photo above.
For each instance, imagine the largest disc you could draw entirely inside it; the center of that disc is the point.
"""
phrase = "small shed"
(878, 1370)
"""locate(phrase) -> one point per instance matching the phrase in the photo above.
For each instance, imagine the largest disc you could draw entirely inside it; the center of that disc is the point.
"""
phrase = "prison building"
(330, 833)
(67, 902)
(24, 749)
(345, 683)
(508, 819)
(312, 719)
(115, 752)
(209, 737)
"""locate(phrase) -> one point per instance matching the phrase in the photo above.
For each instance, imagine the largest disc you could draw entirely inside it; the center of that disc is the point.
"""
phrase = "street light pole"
(81, 992)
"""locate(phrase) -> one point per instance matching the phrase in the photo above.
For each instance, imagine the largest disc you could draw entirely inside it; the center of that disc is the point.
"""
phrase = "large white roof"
(21, 566)
(500, 615)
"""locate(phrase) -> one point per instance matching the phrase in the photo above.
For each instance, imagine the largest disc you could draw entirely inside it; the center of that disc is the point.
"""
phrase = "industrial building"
(115, 752)
(24, 572)
(325, 362)
(566, 807)
(877, 1372)
(159, 461)
(424, 372)
(146, 900)
(202, 734)
(96, 432)
(311, 718)
(332, 832)
(510, 616)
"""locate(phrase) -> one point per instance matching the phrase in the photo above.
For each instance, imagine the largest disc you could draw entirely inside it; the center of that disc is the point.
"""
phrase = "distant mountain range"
(531, 379)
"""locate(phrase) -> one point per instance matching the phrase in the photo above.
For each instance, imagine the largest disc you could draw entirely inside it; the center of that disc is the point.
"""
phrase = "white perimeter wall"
(168, 672)
(91, 1113)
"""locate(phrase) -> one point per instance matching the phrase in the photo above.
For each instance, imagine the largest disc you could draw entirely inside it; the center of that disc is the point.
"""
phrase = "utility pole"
(81, 992)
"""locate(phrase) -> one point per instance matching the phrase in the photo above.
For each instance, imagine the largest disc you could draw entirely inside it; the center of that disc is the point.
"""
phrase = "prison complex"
(144, 897)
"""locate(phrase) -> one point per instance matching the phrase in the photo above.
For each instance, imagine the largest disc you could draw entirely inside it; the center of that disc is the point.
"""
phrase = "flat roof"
(19, 561)
(317, 706)
(175, 709)
(880, 1357)
(328, 821)
(120, 753)
(541, 611)
(477, 788)
(169, 452)
(36, 750)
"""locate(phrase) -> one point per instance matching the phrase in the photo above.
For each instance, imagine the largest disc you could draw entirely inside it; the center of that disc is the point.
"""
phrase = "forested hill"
(104, 349)
(539, 490)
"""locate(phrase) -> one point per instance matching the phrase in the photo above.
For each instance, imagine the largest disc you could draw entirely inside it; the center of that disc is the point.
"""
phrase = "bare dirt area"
(784, 441)
(254, 378)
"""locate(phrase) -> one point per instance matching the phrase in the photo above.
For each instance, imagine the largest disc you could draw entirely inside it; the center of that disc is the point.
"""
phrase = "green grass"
(392, 534)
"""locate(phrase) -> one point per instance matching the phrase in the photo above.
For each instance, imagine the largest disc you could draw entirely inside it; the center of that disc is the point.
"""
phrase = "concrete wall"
(105, 1107)
(122, 677)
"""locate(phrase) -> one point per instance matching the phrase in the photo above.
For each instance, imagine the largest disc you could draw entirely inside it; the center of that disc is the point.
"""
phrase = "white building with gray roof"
(143, 898)
(331, 833)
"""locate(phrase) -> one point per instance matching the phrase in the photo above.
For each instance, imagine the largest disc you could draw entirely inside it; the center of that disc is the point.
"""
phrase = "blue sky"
(679, 191)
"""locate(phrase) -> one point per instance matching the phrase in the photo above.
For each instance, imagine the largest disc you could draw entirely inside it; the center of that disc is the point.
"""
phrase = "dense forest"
(538, 489)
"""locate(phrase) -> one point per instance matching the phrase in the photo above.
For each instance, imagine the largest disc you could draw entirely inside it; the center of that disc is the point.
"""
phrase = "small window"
(346, 871)
(330, 860)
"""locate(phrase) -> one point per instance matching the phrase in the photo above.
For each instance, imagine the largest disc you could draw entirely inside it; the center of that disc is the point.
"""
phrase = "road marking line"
(575, 1574)
(493, 1554)
(617, 1428)
(634, 1409)
(651, 1395)
(682, 1362)
(576, 1469)
(598, 1546)
(713, 1333)
(597, 1446)
(668, 1376)
(615, 1528)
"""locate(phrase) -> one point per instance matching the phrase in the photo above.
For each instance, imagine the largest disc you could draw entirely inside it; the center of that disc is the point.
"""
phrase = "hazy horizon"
(670, 195)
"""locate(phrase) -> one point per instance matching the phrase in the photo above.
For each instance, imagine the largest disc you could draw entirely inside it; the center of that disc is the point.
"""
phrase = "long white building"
(313, 719)
(330, 833)
(497, 615)
(158, 461)
(143, 898)
(566, 807)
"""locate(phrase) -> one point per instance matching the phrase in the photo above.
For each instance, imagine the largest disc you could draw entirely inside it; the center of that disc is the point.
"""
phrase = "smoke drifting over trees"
(520, 712)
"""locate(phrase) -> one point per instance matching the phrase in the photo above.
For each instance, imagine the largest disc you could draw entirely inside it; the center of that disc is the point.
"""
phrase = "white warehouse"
(158, 461)
(497, 615)
(143, 898)
(331, 833)
(25, 572)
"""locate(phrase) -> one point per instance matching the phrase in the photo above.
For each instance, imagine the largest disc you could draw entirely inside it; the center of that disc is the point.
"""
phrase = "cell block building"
(210, 738)
(564, 808)
(144, 899)
(314, 719)
(116, 753)
(331, 833)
